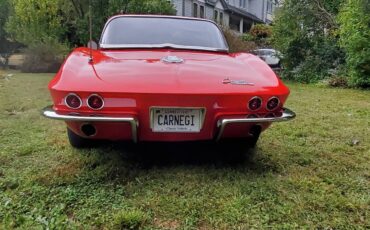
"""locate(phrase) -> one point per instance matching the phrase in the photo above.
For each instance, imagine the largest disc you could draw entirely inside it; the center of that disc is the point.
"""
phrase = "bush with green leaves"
(261, 31)
(236, 42)
(306, 33)
(45, 57)
(7, 46)
(36, 21)
(355, 40)
(49, 28)
(76, 15)
(260, 34)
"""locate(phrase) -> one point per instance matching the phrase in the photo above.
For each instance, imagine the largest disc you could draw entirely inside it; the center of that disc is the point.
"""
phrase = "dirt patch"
(166, 224)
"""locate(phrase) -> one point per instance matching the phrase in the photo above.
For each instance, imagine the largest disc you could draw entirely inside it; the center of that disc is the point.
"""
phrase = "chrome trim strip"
(287, 115)
(160, 46)
(49, 112)
(226, 50)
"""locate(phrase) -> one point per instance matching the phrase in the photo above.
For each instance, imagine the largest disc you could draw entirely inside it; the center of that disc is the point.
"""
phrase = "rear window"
(136, 31)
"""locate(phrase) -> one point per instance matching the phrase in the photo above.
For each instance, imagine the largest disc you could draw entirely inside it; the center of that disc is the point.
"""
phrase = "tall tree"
(77, 13)
(355, 39)
(36, 21)
(7, 46)
(306, 32)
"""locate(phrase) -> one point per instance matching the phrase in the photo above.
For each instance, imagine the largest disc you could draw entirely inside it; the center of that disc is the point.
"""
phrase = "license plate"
(176, 120)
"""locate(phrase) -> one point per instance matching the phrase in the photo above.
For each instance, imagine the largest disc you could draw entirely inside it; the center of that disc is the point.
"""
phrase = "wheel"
(76, 141)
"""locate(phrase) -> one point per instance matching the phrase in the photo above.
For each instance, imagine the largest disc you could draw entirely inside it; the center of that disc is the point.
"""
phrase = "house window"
(242, 3)
(201, 11)
(221, 18)
(195, 10)
(269, 7)
(215, 15)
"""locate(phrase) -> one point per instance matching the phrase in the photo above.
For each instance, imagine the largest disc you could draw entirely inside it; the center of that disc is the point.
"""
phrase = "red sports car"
(165, 78)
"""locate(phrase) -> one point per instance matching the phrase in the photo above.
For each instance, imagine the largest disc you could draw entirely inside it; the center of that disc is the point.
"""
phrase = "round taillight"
(73, 101)
(95, 102)
(272, 103)
(255, 103)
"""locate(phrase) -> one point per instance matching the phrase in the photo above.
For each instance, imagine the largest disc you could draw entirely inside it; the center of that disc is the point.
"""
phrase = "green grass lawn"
(313, 172)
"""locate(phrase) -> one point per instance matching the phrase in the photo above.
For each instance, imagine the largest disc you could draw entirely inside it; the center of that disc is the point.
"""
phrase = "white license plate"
(176, 120)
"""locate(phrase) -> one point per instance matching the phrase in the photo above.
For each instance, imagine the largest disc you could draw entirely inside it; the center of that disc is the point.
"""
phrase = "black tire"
(243, 145)
(77, 141)
(238, 148)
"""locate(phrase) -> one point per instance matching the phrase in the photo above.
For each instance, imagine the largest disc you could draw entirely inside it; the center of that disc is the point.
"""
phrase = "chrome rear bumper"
(286, 116)
(49, 112)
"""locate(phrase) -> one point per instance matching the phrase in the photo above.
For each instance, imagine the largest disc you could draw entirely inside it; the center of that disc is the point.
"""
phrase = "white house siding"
(178, 6)
(188, 9)
(219, 7)
(256, 8)
(209, 12)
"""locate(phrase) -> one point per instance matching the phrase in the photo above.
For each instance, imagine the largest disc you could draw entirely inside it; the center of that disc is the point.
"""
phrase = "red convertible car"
(165, 78)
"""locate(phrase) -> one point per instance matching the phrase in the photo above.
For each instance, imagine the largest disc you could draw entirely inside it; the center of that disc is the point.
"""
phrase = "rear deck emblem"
(172, 59)
(236, 82)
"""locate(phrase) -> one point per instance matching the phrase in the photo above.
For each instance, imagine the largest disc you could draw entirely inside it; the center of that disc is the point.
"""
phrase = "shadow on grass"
(124, 163)
(185, 154)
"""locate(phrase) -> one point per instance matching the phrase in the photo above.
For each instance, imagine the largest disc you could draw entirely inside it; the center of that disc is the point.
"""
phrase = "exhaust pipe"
(255, 132)
(88, 129)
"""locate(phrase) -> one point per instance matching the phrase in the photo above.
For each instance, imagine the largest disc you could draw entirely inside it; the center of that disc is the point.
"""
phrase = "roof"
(243, 13)
(235, 10)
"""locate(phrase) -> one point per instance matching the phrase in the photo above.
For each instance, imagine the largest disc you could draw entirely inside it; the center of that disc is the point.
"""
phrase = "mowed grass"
(313, 172)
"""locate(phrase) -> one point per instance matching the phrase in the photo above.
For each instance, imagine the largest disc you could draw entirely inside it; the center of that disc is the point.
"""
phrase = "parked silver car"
(270, 56)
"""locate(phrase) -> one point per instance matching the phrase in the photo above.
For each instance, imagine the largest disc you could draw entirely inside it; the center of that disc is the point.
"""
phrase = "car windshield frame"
(163, 45)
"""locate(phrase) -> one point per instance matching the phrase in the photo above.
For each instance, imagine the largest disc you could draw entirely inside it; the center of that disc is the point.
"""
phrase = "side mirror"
(92, 44)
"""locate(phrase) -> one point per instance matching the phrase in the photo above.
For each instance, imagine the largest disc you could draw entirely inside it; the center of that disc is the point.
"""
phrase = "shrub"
(260, 35)
(261, 31)
(355, 39)
(247, 37)
(236, 43)
(305, 32)
(337, 81)
(129, 219)
(44, 57)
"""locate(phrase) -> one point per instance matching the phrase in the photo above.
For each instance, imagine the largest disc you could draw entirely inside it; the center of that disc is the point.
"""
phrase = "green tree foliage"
(50, 27)
(38, 24)
(260, 34)
(47, 21)
(7, 46)
(76, 14)
(36, 21)
(355, 39)
(261, 31)
(306, 32)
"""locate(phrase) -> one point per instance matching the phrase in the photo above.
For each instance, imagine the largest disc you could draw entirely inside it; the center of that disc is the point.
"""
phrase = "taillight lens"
(73, 101)
(255, 103)
(273, 103)
(95, 102)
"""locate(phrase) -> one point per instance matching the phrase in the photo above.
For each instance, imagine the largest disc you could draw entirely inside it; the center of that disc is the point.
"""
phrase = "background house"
(239, 15)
